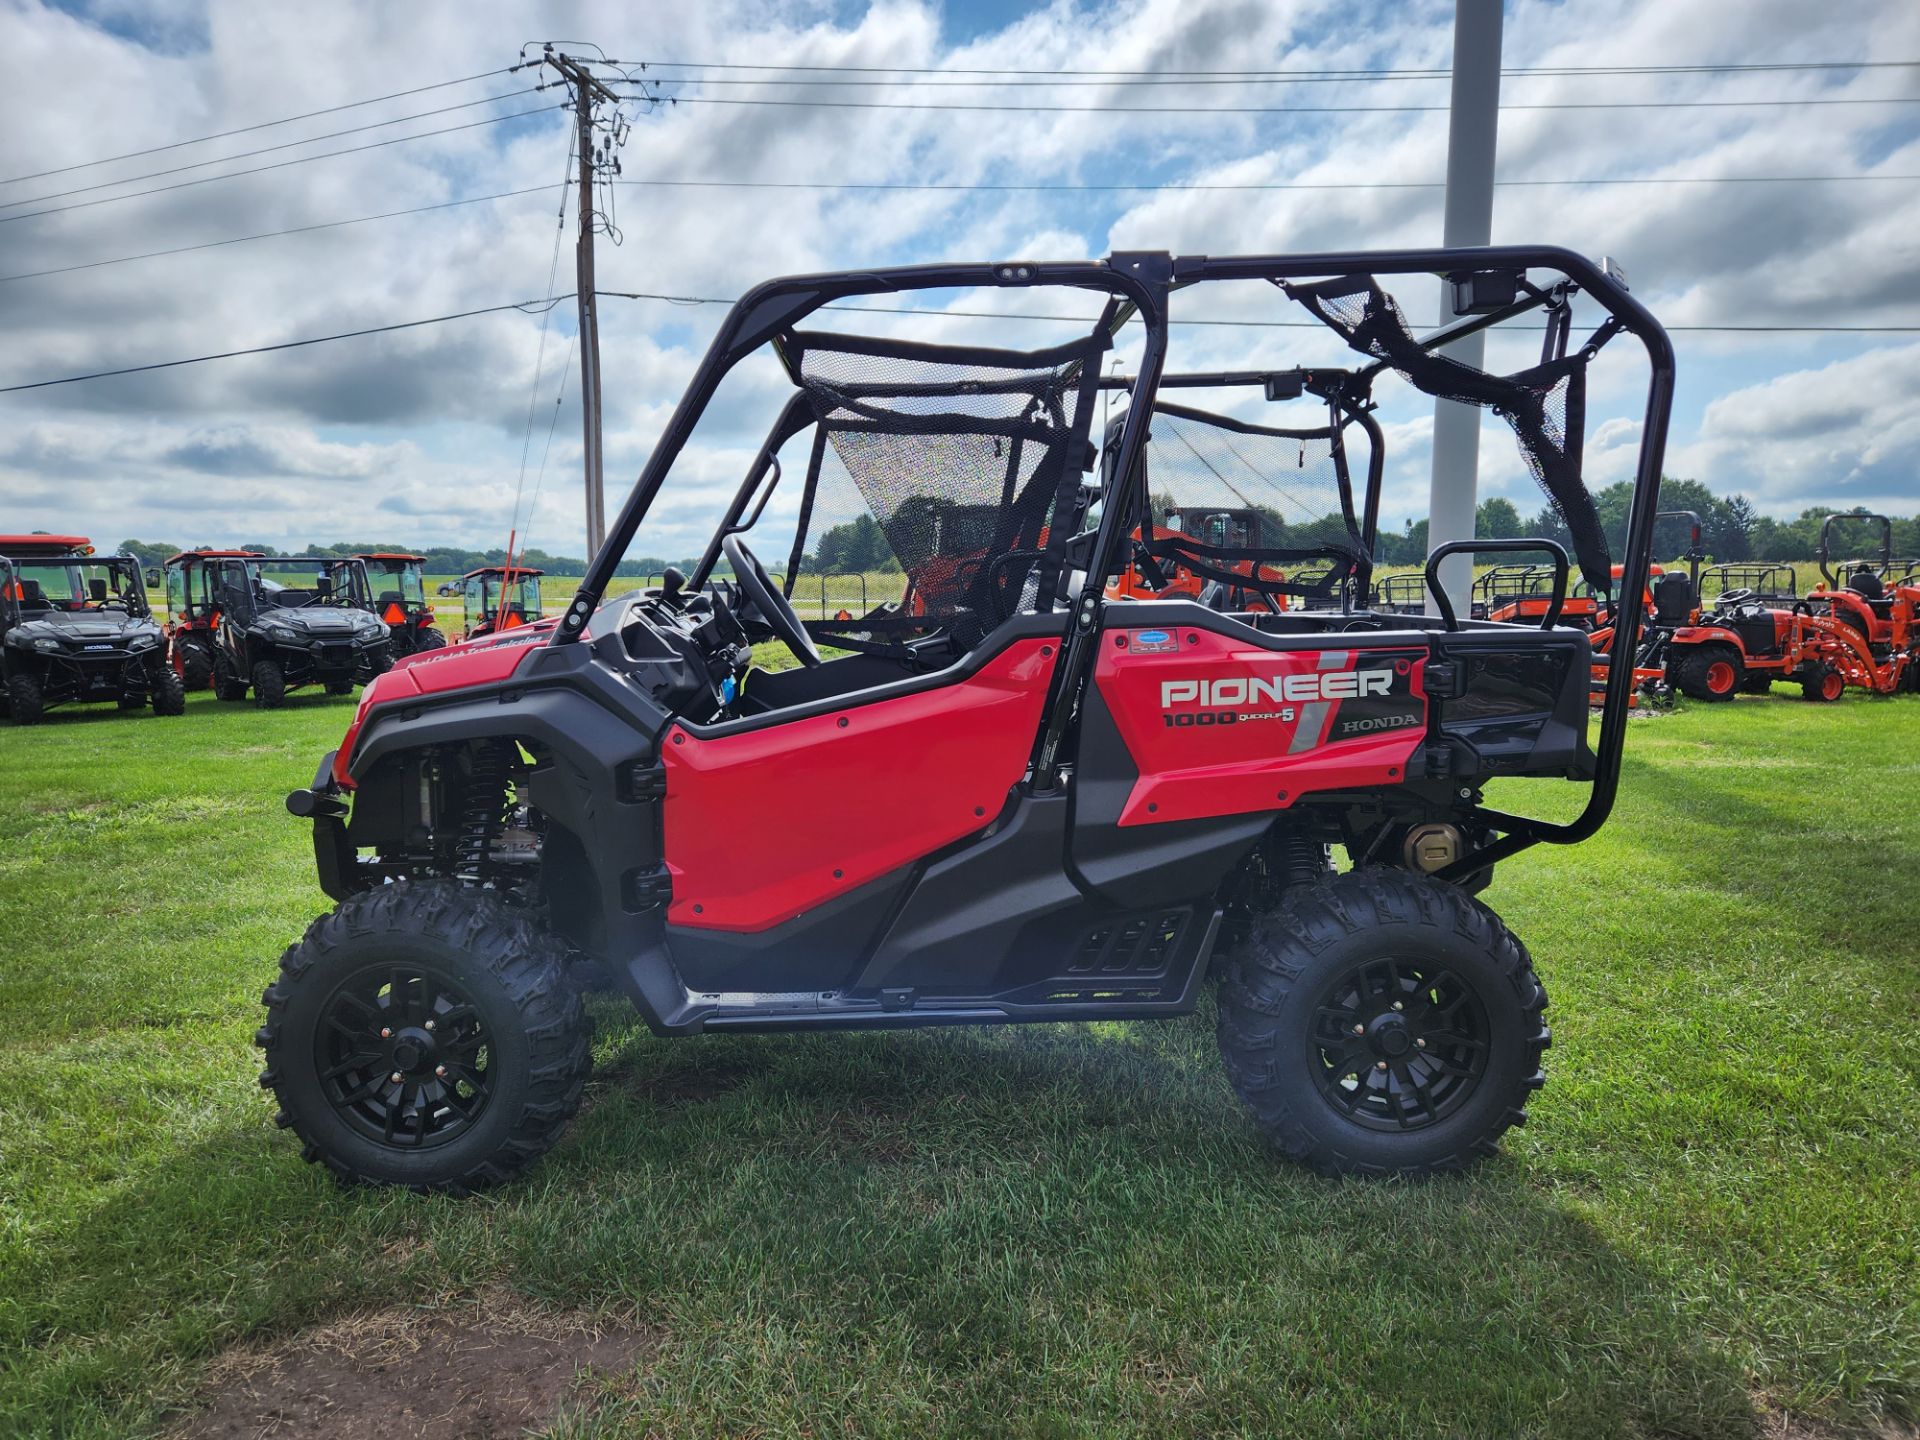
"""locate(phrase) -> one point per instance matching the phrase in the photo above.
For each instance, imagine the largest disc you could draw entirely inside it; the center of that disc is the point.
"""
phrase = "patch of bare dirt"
(474, 1373)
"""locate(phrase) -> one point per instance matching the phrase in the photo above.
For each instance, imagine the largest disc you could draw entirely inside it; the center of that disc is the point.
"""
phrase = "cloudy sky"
(418, 437)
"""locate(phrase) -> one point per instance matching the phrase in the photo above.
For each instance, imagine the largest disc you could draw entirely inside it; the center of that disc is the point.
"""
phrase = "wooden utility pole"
(587, 93)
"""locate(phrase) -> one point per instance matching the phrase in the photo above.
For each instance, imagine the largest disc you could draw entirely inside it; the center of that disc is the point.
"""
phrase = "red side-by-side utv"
(1028, 799)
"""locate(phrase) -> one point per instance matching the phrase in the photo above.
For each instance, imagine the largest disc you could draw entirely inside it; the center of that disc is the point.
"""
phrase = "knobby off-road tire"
(1447, 1002)
(1708, 672)
(428, 639)
(26, 704)
(498, 978)
(168, 695)
(269, 685)
(196, 665)
(227, 685)
(1820, 682)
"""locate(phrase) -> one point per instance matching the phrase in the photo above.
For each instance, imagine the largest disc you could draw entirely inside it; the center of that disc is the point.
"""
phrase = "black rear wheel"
(1707, 672)
(227, 685)
(168, 694)
(1380, 1022)
(423, 1035)
(196, 663)
(428, 638)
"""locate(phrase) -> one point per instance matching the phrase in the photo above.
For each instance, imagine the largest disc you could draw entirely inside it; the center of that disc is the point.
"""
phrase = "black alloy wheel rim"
(1398, 1045)
(403, 1057)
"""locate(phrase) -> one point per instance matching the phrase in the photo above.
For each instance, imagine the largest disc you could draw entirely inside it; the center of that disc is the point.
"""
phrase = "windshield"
(295, 584)
(47, 587)
(397, 582)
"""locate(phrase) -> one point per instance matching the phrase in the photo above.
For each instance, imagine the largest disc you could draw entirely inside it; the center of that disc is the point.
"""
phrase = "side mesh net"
(967, 461)
(1253, 506)
(1546, 405)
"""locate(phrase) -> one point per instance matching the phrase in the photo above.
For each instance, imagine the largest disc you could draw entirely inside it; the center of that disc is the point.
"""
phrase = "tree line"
(440, 559)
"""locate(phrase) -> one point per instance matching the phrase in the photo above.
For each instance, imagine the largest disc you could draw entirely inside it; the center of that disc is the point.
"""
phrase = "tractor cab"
(496, 598)
(75, 627)
(399, 592)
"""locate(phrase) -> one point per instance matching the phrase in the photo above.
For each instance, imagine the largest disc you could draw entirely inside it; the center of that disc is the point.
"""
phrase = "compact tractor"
(399, 588)
(271, 624)
(497, 598)
(1029, 799)
(75, 629)
(1871, 612)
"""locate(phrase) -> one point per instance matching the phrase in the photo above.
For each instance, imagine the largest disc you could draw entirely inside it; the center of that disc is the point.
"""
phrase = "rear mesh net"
(967, 460)
(1279, 499)
(1546, 405)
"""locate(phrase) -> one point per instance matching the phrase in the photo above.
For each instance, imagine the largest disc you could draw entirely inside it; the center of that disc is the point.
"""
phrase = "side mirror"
(323, 585)
(97, 590)
(152, 577)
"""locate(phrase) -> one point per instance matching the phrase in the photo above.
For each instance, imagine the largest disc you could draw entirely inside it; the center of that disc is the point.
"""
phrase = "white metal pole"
(1472, 129)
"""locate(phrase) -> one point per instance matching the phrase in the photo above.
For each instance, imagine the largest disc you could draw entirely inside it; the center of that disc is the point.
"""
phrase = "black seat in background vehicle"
(1673, 600)
(1867, 585)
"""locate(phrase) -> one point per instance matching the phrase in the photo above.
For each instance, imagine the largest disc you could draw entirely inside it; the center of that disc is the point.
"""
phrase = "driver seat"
(1672, 600)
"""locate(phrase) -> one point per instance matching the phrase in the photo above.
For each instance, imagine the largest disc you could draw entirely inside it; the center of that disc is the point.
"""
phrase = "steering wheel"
(768, 602)
(1729, 599)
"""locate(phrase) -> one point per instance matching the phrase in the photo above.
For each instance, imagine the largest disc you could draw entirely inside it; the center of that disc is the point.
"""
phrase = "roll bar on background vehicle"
(1825, 553)
(1140, 284)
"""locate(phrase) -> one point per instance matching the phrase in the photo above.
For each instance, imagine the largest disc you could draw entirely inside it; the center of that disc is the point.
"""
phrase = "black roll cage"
(1825, 553)
(356, 596)
(1140, 284)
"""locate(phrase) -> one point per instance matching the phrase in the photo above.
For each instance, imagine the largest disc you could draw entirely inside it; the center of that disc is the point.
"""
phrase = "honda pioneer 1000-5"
(275, 623)
(75, 628)
(1025, 796)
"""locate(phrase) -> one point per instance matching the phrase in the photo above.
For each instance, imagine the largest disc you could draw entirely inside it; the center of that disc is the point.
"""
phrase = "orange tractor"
(1871, 622)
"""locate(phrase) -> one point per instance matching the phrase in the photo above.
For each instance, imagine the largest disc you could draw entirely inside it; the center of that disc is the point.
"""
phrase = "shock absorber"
(480, 815)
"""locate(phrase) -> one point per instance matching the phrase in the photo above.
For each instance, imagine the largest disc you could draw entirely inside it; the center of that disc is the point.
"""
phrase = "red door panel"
(1216, 727)
(764, 825)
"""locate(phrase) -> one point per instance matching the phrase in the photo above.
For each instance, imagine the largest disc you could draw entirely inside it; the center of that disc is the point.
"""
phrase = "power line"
(1414, 72)
(267, 149)
(282, 164)
(957, 187)
(273, 234)
(1206, 187)
(263, 125)
(524, 306)
(1269, 109)
(528, 307)
(1069, 80)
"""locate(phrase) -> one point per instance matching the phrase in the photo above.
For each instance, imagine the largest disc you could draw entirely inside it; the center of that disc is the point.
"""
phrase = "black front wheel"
(269, 685)
(424, 1035)
(26, 702)
(1380, 1022)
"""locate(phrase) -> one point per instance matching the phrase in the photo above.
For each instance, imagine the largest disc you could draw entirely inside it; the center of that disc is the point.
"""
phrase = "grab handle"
(1561, 568)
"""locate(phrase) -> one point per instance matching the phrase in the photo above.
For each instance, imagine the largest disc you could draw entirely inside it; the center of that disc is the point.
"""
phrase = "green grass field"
(1710, 1223)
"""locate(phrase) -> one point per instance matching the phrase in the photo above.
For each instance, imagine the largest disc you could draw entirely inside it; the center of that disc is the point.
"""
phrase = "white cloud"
(419, 434)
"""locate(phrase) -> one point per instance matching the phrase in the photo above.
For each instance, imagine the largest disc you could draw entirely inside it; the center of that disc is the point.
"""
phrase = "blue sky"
(418, 437)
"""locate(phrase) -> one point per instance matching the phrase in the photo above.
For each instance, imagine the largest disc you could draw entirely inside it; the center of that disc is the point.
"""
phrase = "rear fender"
(1706, 635)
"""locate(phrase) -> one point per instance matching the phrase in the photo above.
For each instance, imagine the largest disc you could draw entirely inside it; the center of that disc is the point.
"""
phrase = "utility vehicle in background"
(273, 623)
(1027, 801)
(75, 628)
(398, 587)
(499, 597)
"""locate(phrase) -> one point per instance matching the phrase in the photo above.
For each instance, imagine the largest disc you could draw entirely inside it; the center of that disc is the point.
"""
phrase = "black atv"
(75, 628)
(273, 636)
